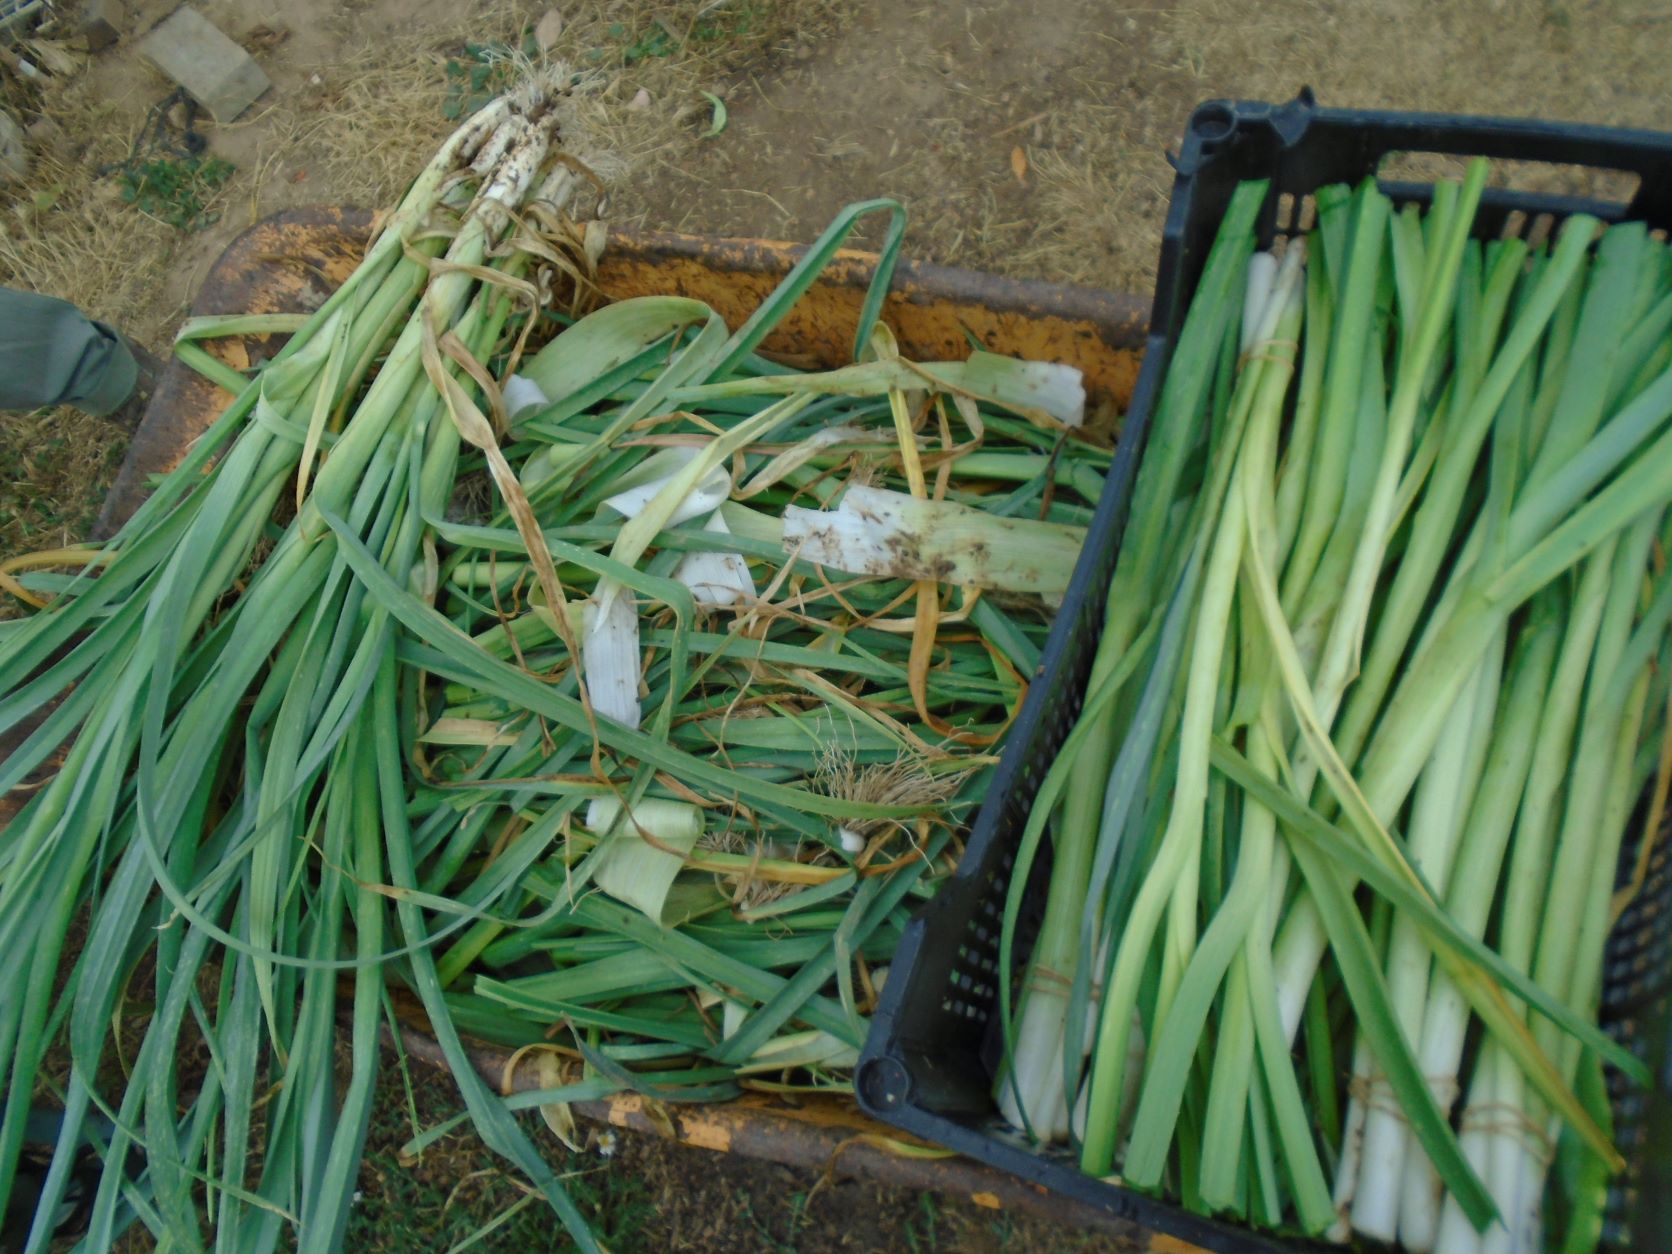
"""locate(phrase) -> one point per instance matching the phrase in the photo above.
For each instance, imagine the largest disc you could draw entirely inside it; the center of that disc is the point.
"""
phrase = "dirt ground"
(644, 1196)
(1026, 137)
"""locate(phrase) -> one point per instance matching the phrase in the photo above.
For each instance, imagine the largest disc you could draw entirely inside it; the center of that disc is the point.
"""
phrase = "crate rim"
(885, 1083)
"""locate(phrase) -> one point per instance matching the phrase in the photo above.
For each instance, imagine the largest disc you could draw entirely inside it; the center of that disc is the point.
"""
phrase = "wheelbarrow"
(290, 262)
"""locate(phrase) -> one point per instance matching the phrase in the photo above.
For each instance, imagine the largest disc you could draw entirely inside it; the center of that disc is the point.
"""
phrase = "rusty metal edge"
(159, 439)
(765, 1135)
(1122, 317)
(1121, 320)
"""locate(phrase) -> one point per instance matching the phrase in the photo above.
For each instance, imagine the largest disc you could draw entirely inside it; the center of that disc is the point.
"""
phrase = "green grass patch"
(179, 190)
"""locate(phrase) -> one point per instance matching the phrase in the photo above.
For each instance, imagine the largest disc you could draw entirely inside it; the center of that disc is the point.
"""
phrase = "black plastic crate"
(928, 1065)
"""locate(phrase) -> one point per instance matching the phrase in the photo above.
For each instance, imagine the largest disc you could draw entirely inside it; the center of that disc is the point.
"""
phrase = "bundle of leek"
(1398, 525)
(220, 685)
(629, 759)
(800, 608)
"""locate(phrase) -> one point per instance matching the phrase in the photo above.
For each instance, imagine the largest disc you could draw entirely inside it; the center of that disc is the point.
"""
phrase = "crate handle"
(1361, 138)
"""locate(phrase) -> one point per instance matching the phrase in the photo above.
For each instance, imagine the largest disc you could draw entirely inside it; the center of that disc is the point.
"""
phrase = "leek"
(1372, 620)
(495, 670)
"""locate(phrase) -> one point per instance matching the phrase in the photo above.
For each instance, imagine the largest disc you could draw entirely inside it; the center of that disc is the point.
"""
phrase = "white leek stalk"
(716, 578)
(1438, 818)
(1047, 392)
(893, 535)
(522, 394)
(1491, 819)
(610, 659)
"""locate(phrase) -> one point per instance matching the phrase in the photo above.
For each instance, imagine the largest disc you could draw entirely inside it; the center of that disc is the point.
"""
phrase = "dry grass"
(1103, 182)
(1576, 60)
(351, 132)
(69, 234)
(1101, 105)
(358, 129)
(932, 104)
(47, 459)
(385, 89)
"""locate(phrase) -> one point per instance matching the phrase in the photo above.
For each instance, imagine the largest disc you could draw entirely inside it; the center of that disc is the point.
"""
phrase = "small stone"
(640, 100)
(804, 52)
(547, 29)
(102, 23)
(263, 38)
(43, 132)
(218, 74)
(14, 153)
